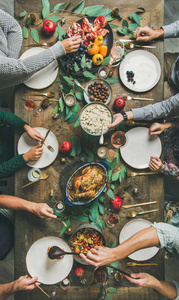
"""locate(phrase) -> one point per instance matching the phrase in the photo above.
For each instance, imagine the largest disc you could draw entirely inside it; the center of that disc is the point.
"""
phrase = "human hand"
(42, 210)
(156, 164)
(34, 153)
(156, 128)
(72, 44)
(33, 133)
(147, 34)
(99, 256)
(143, 280)
(117, 119)
(25, 283)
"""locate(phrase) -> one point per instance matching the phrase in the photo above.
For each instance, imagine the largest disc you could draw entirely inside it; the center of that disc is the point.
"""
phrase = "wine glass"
(54, 292)
(101, 277)
(118, 139)
(112, 220)
(30, 104)
(117, 52)
(38, 110)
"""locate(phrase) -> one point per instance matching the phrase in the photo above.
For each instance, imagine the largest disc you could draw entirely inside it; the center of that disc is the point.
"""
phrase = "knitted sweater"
(8, 167)
(14, 71)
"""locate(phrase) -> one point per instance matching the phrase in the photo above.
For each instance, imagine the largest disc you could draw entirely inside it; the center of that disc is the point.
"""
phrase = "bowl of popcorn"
(93, 116)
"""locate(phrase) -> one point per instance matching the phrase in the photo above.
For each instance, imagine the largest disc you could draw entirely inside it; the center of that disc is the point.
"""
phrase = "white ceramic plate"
(140, 147)
(25, 143)
(39, 264)
(44, 77)
(146, 68)
(130, 229)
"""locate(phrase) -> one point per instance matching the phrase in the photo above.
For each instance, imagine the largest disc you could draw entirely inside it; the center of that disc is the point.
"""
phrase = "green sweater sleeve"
(8, 118)
(7, 168)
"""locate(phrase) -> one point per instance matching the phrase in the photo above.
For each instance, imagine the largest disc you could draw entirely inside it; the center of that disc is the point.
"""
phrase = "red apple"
(79, 271)
(116, 203)
(66, 147)
(119, 103)
(49, 27)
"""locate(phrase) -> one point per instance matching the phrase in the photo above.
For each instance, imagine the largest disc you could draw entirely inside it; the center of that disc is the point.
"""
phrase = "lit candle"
(70, 99)
(102, 152)
(59, 207)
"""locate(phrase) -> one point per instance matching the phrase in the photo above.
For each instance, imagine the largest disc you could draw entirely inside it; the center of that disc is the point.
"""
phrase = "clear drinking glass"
(112, 220)
(118, 139)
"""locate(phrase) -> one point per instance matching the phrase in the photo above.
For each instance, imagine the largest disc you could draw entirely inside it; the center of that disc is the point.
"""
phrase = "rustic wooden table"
(29, 228)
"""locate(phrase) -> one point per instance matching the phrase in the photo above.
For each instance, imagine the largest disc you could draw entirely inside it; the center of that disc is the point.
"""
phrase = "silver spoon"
(48, 94)
(126, 97)
(79, 84)
(56, 251)
(131, 45)
(101, 139)
(133, 214)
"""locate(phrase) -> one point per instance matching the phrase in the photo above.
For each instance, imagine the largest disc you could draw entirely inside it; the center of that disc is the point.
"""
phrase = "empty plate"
(140, 147)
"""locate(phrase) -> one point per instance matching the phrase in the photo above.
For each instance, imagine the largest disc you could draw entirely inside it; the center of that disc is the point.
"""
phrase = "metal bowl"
(94, 103)
(68, 198)
(78, 259)
(87, 98)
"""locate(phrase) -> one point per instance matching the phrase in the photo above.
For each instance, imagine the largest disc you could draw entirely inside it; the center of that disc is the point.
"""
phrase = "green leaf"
(79, 96)
(93, 218)
(112, 80)
(101, 198)
(109, 174)
(134, 17)
(101, 223)
(97, 225)
(91, 10)
(90, 158)
(25, 32)
(73, 152)
(106, 60)
(75, 108)
(83, 61)
(88, 151)
(112, 290)
(108, 297)
(110, 194)
(45, 3)
(73, 141)
(113, 26)
(133, 26)
(65, 227)
(77, 123)
(114, 244)
(82, 158)
(88, 65)
(120, 16)
(125, 23)
(45, 12)
(109, 18)
(112, 186)
(62, 115)
(76, 68)
(104, 12)
(67, 110)
(34, 35)
(57, 8)
(22, 14)
(78, 88)
(101, 208)
(115, 176)
(113, 164)
(28, 23)
(141, 8)
(55, 109)
(124, 31)
(68, 80)
(73, 119)
(54, 19)
(61, 104)
(77, 9)
(94, 207)
(89, 75)
(68, 116)
(81, 218)
(123, 171)
(117, 156)
(78, 148)
(59, 32)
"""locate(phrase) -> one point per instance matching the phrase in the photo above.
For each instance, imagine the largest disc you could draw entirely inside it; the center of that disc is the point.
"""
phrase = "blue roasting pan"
(68, 197)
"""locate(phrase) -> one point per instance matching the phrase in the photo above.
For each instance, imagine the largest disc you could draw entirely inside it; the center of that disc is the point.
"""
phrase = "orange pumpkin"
(93, 48)
(97, 59)
(103, 49)
(99, 40)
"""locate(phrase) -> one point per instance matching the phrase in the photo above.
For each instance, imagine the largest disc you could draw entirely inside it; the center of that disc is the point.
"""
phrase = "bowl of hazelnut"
(98, 90)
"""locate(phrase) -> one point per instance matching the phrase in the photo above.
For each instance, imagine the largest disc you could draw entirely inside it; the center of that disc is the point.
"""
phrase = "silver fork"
(49, 147)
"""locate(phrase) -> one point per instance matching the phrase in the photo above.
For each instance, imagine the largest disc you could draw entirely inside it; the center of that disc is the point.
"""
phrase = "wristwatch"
(124, 115)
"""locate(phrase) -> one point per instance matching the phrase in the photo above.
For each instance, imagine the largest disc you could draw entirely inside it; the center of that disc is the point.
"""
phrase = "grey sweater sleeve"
(162, 109)
(14, 71)
(171, 30)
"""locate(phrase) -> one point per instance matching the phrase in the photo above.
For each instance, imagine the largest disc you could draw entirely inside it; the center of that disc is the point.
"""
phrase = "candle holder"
(103, 72)
(70, 99)
(102, 152)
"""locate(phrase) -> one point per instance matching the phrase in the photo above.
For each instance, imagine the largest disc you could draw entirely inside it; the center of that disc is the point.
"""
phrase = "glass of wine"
(112, 220)
(30, 104)
(101, 277)
(118, 139)
(117, 52)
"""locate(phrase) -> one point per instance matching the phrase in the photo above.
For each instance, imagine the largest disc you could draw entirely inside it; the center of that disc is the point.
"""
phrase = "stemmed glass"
(118, 139)
(101, 277)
